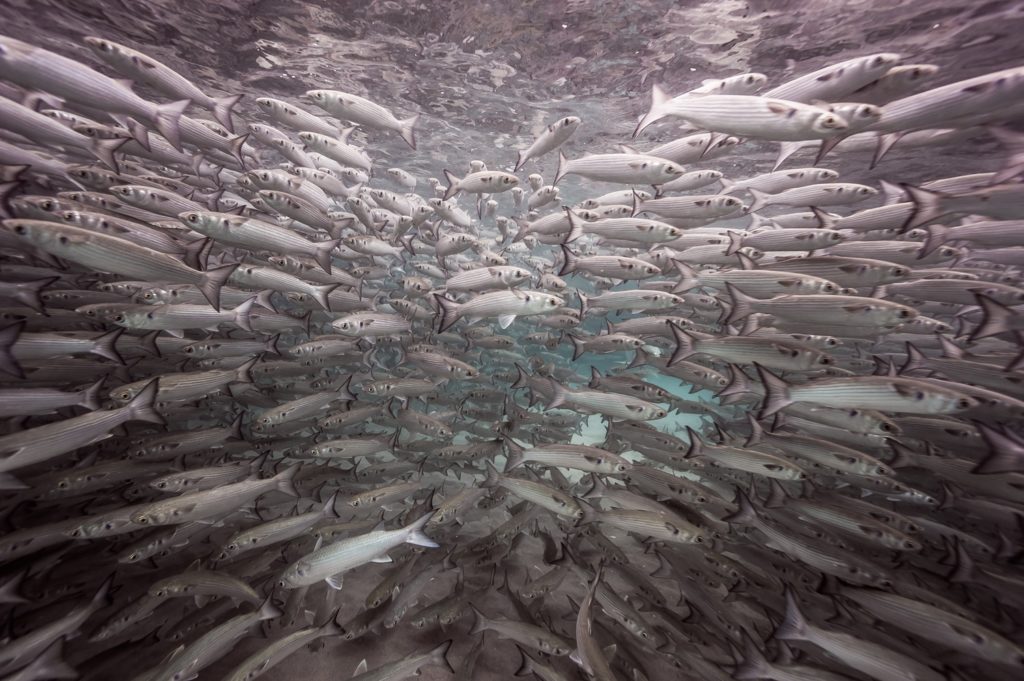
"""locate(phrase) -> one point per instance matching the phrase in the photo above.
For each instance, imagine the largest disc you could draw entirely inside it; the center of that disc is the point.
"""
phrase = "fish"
(364, 112)
(554, 135)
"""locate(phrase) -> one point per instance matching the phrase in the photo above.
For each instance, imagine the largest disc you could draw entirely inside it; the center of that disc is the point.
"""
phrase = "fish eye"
(20, 229)
(963, 403)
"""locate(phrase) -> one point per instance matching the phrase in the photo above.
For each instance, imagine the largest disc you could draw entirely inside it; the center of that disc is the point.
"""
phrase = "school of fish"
(265, 398)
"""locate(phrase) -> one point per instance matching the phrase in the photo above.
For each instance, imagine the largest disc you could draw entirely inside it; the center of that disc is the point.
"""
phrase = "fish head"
(828, 123)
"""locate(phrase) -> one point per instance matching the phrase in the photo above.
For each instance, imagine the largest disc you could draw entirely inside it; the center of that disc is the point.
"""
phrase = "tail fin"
(1005, 455)
(236, 144)
(213, 281)
(754, 665)
(269, 611)
(794, 625)
(575, 226)
(91, 396)
(936, 235)
(8, 337)
(658, 99)
(104, 149)
(521, 159)
(168, 121)
(222, 107)
(323, 252)
(787, 149)
(493, 477)
(49, 664)
(584, 304)
(578, 346)
(243, 374)
(728, 186)
(515, 456)
(408, 130)
(416, 536)
(106, 346)
(481, 623)
(735, 242)
(563, 168)
(776, 392)
(141, 406)
(996, 318)
(322, 294)
(453, 184)
(927, 206)
(522, 378)
(569, 263)
(761, 199)
(286, 480)
(449, 311)
(741, 304)
(242, 312)
(684, 344)
(558, 394)
(439, 655)
(688, 277)
(526, 665)
(745, 514)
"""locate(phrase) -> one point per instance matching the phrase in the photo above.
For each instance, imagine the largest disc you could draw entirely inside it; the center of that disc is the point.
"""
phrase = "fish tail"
(268, 610)
(322, 253)
(885, 144)
(522, 378)
(735, 242)
(286, 480)
(696, 444)
(236, 148)
(569, 261)
(936, 235)
(493, 478)
(741, 304)
(558, 394)
(658, 99)
(104, 149)
(91, 395)
(222, 108)
(1005, 454)
(453, 185)
(322, 295)
(684, 345)
(142, 406)
(416, 536)
(927, 206)
(449, 311)
(236, 428)
(139, 133)
(745, 514)
(688, 278)
(562, 169)
(578, 346)
(754, 664)
(996, 318)
(515, 454)
(408, 130)
(521, 159)
(106, 346)
(776, 392)
(271, 344)
(575, 226)
(794, 625)
(8, 337)
(344, 390)
(242, 314)
(168, 121)
(243, 374)
(213, 280)
(760, 200)
(526, 663)
(597, 489)
(727, 185)
(480, 623)
(193, 256)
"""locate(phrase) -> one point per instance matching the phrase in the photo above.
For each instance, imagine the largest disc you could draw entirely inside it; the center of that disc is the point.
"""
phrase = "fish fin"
(106, 346)
(141, 406)
(658, 99)
(236, 144)
(741, 304)
(505, 320)
(760, 200)
(927, 206)
(1005, 454)
(8, 337)
(335, 582)
(360, 668)
(416, 536)
(382, 559)
(104, 149)
(684, 344)
(793, 626)
(776, 392)
(688, 278)
(575, 226)
(521, 159)
(493, 477)
(558, 394)
(168, 121)
(996, 318)
(323, 252)
(562, 169)
(453, 184)
(787, 149)
(735, 242)
(885, 144)
(754, 664)
(569, 262)
(286, 480)
(448, 310)
(213, 280)
(222, 107)
(408, 130)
